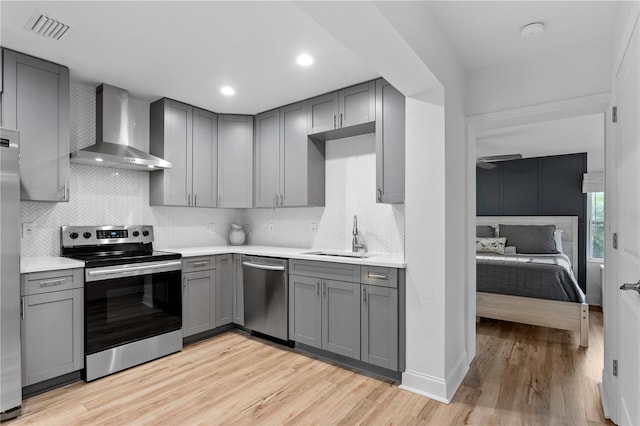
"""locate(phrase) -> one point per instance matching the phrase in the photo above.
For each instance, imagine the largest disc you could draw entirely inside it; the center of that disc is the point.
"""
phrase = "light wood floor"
(521, 375)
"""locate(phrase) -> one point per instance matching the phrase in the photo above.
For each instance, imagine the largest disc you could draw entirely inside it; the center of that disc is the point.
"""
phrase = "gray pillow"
(530, 239)
(485, 231)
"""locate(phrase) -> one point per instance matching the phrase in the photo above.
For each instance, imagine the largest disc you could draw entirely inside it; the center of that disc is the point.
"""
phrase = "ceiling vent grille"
(48, 27)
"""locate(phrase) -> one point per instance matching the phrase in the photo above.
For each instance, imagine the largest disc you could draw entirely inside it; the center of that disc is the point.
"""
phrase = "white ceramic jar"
(237, 235)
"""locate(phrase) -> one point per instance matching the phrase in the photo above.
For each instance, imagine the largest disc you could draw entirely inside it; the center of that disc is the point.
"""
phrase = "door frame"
(588, 105)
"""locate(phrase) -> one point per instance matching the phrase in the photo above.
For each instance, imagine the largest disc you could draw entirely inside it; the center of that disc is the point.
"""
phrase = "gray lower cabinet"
(325, 314)
(198, 294)
(235, 161)
(52, 327)
(379, 326)
(224, 289)
(187, 137)
(390, 144)
(35, 102)
(238, 290)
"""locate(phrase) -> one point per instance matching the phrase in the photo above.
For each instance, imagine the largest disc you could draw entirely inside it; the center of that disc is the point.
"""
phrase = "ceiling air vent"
(47, 26)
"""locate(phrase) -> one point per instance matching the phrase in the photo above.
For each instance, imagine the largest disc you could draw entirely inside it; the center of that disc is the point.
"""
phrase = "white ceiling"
(566, 136)
(187, 51)
(487, 33)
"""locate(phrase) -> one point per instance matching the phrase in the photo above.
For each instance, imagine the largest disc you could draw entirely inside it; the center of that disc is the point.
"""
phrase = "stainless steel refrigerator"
(10, 375)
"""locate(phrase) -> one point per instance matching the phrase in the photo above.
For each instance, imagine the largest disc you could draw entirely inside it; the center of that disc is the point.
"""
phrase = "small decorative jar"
(237, 235)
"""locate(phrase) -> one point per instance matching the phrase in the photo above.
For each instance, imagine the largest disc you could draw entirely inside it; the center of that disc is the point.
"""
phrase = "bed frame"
(542, 312)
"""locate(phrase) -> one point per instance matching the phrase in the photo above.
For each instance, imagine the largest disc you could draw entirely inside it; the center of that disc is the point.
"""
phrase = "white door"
(628, 213)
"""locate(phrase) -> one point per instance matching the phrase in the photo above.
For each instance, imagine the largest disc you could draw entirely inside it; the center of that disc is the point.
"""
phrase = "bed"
(533, 289)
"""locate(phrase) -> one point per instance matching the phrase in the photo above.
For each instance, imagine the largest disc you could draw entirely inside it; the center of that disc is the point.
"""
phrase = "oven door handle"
(101, 274)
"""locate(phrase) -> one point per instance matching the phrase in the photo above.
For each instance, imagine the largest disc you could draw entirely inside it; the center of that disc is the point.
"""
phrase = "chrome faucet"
(356, 245)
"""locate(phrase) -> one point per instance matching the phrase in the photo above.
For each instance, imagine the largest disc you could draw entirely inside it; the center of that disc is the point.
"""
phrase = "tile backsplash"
(100, 195)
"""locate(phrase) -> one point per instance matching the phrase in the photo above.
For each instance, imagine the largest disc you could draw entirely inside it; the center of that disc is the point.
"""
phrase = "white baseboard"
(436, 388)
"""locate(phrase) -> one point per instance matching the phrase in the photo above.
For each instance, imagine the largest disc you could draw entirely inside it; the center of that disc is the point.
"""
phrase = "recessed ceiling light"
(227, 91)
(99, 160)
(532, 30)
(151, 166)
(304, 60)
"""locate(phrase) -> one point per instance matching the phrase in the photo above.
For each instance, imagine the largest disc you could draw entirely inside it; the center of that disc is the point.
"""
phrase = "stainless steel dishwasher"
(266, 305)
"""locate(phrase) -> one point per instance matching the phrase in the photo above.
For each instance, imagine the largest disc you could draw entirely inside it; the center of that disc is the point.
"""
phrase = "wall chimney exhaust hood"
(112, 136)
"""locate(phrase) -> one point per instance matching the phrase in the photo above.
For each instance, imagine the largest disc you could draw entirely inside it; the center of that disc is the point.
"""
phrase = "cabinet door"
(379, 333)
(224, 289)
(390, 143)
(177, 149)
(52, 335)
(341, 318)
(204, 158)
(357, 105)
(305, 313)
(323, 113)
(235, 161)
(198, 302)
(267, 159)
(294, 166)
(36, 103)
(238, 291)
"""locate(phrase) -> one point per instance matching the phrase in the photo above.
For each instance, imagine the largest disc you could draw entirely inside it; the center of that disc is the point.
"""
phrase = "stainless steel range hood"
(112, 136)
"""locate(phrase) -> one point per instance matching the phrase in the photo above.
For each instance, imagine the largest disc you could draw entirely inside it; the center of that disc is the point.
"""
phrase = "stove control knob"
(145, 233)
(136, 233)
(73, 235)
(87, 235)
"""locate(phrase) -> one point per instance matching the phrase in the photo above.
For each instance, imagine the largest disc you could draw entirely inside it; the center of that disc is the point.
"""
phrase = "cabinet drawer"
(199, 263)
(327, 270)
(46, 282)
(377, 275)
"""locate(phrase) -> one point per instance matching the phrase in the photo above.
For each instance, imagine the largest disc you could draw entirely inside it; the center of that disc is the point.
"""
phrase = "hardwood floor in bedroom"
(521, 375)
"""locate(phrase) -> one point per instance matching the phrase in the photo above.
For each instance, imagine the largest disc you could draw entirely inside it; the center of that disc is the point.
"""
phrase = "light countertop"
(377, 259)
(47, 263)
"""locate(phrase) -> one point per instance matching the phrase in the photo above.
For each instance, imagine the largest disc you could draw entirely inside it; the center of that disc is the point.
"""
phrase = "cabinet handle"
(379, 194)
(200, 264)
(364, 294)
(281, 200)
(22, 311)
(378, 276)
(334, 121)
(276, 200)
(317, 288)
(184, 284)
(324, 287)
(50, 283)
(340, 120)
(64, 196)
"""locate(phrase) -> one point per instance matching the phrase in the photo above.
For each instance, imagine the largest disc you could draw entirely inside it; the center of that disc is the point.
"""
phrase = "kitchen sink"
(339, 254)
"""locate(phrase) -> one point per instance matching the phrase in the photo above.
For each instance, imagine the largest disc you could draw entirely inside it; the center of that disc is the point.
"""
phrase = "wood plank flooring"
(521, 375)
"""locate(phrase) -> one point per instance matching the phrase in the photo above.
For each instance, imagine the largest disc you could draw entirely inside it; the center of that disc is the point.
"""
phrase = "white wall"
(568, 75)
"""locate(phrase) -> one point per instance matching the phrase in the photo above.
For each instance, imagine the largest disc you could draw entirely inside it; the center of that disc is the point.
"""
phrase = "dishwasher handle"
(262, 266)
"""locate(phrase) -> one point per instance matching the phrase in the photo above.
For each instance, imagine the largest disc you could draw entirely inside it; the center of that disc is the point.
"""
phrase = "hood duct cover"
(112, 136)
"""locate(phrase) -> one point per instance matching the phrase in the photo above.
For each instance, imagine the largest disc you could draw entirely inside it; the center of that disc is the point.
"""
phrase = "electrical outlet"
(212, 227)
(270, 227)
(27, 230)
(314, 227)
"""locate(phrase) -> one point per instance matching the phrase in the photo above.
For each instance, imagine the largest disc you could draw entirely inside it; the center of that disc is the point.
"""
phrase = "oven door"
(124, 304)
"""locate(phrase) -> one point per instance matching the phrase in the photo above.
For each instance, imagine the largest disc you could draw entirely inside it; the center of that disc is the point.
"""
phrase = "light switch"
(314, 227)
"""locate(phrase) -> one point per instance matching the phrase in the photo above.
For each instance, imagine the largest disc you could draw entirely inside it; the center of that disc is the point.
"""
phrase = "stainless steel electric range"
(132, 295)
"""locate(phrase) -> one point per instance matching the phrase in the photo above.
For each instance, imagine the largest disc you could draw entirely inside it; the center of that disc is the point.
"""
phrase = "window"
(596, 225)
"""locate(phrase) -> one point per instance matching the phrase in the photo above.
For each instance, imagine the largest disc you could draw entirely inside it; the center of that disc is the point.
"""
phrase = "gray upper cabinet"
(302, 160)
(224, 289)
(52, 327)
(35, 102)
(235, 161)
(345, 108)
(290, 167)
(187, 137)
(267, 159)
(379, 333)
(390, 144)
(341, 318)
